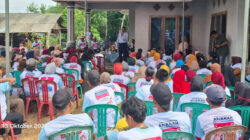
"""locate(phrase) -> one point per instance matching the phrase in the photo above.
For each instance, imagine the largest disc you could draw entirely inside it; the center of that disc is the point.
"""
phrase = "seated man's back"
(217, 116)
(165, 119)
(62, 103)
(99, 94)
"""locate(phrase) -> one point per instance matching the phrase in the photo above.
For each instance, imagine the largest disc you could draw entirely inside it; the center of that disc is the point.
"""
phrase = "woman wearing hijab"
(50, 75)
(242, 91)
(229, 76)
(177, 56)
(117, 77)
(58, 61)
(179, 83)
(179, 64)
(191, 58)
(215, 67)
(218, 78)
(157, 56)
(169, 82)
(190, 74)
(196, 95)
(30, 54)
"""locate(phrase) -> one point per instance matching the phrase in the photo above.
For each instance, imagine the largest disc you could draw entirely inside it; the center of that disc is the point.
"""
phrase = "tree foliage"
(101, 22)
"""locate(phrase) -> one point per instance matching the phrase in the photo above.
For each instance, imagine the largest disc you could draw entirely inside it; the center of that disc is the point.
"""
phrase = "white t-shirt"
(66, 121)
(152, 64)
(166, 57)
(203, 71)
(142, 82)
(28, 74)
(120, 79)
(216, 118)
(144, 93)
(134, 69)
(51, 77)
(100, 95)
(74, 66)
(175, 70)
(140, 62)
(170, 121)
(172, 65)
(15, 65)
(116, 88)
(192, 97)
(3, 88)
(238, 65)
(150, 133)
(129, 74)
(59, 70)
(170, 85)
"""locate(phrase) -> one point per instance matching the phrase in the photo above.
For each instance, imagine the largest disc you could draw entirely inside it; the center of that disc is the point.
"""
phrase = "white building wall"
(235, 12)
(201, 11)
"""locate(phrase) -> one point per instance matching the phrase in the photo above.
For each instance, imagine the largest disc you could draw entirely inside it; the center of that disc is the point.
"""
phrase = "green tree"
(33, 8)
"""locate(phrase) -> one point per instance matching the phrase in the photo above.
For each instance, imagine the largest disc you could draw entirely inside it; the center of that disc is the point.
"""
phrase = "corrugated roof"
(29, 22)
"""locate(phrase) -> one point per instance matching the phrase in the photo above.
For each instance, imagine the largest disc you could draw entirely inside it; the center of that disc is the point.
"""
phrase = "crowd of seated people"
(156, 76)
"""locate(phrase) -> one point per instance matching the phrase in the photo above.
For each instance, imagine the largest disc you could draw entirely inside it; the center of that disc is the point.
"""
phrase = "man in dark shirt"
(220, 46)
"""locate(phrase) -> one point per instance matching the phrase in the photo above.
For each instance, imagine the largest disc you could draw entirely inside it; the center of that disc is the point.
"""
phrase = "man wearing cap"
(62, 102)
(165, 119)
(81, 43)
(99, 94)
(217, 116)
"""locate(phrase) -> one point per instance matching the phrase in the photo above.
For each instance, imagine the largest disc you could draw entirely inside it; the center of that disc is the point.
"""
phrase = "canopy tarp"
(29, 22)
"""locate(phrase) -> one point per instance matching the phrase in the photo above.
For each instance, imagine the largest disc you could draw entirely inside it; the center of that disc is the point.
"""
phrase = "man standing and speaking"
(122, 41)
(221, 46)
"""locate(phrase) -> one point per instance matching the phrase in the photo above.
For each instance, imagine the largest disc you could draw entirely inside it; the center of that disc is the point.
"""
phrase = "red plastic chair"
(123, 87)
(44, 85)
(33, 92)
(66, 78)
(101, 63)
(3, 124)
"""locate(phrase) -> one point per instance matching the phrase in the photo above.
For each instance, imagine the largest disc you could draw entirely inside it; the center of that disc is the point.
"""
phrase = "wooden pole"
(183, 22)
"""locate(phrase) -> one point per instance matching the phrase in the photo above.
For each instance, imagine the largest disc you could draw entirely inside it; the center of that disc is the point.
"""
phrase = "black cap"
(62, 98)
(161, 94)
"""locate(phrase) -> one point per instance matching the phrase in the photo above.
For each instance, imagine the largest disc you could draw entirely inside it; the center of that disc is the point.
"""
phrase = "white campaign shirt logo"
(102, 96)
(221, 121)
(171, 125)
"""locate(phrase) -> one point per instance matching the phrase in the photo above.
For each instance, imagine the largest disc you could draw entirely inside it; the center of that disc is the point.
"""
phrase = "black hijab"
(242, 93)
(229, 76)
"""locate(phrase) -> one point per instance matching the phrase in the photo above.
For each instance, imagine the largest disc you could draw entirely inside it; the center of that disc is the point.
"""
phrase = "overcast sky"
(20, 6)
